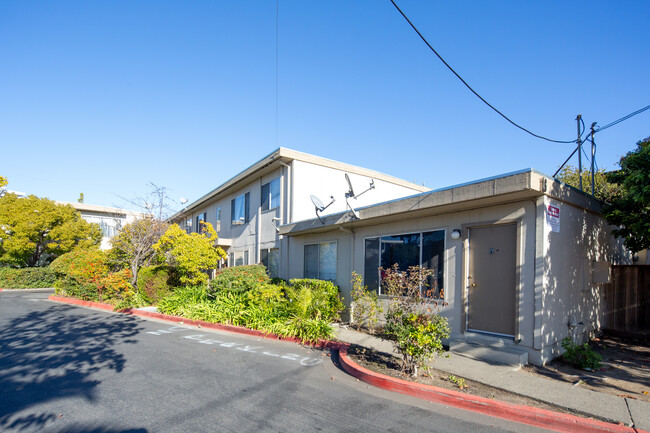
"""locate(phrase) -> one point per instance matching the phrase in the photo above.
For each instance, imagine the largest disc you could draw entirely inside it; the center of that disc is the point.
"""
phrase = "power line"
(469, 87)
(616, 122)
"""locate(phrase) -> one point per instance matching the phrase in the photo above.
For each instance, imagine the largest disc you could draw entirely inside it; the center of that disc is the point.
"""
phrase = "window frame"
(336, 247)
(246, 218)
(421, 233)
(266, 198)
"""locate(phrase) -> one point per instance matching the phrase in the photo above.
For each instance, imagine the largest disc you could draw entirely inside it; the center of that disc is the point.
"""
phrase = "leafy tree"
(33, 231)
(604, 190)
(3, 181)
(191, 254)
(630, 210)
(133, 246)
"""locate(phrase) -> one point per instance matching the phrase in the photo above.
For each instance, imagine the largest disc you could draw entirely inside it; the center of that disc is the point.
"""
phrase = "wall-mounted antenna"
(320, 207)
(351, 194)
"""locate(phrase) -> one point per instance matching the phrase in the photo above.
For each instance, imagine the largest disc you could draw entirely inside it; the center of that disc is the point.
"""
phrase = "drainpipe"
(258, 236)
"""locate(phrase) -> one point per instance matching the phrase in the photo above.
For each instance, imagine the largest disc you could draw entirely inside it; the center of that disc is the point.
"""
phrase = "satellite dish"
(319, 206)
(351, 191)
(183, 200)
(318, 203)
(351, 194)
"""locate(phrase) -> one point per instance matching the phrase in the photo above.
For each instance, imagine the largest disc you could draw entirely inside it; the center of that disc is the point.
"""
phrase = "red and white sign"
(553, 218)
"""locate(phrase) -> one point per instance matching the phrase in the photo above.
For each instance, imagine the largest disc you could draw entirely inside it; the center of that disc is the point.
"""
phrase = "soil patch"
(390, 365)
(625, 369)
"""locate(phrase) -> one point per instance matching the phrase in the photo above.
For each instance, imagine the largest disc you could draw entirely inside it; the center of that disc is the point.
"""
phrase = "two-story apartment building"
(248, 209)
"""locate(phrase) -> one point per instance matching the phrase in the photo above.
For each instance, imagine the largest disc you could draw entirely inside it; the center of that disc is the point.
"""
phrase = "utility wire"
(616, 122)
(469, 87)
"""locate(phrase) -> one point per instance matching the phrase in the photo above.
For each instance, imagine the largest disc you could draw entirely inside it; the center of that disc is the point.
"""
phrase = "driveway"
(73, 369)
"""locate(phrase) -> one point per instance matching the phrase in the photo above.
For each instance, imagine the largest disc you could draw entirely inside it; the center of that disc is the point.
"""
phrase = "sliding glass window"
(425, 249)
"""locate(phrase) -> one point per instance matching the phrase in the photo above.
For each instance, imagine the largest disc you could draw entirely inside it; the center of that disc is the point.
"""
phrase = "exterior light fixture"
(455, 234)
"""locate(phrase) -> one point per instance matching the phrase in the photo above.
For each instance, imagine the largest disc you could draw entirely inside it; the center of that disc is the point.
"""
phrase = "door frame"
(466, 228)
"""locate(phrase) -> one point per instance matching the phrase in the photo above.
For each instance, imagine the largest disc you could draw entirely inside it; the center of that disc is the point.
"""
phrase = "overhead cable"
(616, 122)
(470, 88)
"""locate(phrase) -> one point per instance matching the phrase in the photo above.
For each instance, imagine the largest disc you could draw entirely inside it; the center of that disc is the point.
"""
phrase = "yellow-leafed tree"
(191, 254)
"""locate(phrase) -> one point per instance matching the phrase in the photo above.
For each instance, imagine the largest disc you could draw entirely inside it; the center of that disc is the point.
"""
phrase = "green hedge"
(156, 282)
(239, 279)
(26, 278)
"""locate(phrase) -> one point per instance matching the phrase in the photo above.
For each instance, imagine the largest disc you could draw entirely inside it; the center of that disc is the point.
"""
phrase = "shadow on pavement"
(49, 355)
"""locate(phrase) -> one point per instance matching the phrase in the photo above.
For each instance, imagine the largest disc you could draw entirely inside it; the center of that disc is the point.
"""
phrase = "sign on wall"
(553, 217)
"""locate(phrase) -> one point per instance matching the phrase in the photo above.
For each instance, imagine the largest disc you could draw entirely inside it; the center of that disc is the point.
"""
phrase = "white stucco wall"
(566, 258)
(324, 182)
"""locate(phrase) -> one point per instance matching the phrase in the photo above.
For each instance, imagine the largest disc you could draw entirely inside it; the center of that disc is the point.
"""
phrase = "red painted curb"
(322, 344)
(514, 412)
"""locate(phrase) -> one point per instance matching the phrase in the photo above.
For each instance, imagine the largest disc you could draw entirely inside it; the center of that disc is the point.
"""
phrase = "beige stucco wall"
(567, 293)
(349, 258)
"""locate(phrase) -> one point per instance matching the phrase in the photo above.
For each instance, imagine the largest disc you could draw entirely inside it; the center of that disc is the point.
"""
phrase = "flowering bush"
(80, 274)
(412, 319)
(116, 286)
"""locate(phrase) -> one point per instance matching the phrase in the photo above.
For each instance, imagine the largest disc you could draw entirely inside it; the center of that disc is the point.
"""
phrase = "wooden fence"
(627, 299)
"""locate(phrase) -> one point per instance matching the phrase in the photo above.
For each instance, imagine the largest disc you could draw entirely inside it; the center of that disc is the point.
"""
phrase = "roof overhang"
(274, 160)
(508, 188)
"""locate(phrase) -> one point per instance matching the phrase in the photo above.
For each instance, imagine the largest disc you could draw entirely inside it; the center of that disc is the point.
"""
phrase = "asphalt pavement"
(66, 368)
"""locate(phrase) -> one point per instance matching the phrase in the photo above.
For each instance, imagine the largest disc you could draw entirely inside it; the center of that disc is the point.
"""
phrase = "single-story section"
(521, 259)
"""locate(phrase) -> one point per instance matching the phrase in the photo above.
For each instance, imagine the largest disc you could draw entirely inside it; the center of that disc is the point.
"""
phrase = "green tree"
(34, 231)
(604, 190)
(191, 254)
(133, 246)
(630, 210)
(3, 181)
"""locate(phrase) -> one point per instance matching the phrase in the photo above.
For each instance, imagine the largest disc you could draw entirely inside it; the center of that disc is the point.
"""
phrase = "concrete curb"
(513, 412)
(519, 413)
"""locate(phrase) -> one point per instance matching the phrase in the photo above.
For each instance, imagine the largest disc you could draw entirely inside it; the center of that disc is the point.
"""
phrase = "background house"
(110, 219)
(247, 209)
(521, 259)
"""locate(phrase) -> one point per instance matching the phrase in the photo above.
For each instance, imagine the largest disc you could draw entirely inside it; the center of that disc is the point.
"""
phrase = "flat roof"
(496, 190)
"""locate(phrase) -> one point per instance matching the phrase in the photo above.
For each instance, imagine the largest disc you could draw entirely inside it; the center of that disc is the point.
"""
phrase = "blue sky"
(103, 97)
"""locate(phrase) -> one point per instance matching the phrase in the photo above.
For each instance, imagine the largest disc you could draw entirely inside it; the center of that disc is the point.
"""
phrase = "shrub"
(366, 307)
(191, 254)
(275, 308)
(581, 356)
(315, 299)
(412, 320)
(26, 278)
(238, 279)
(80, 274)
(155, 282)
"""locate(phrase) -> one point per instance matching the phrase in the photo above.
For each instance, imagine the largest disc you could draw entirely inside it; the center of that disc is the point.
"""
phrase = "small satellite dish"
(351, 191)
(183, 200)
(318, 203)
(319, 206)
(351, 194)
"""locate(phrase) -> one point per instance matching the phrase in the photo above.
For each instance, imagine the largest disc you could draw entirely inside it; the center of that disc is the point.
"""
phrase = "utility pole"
(593, 161)
(579, 152)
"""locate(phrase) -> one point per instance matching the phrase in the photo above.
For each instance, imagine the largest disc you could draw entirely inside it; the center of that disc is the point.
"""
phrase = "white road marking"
(202, 339)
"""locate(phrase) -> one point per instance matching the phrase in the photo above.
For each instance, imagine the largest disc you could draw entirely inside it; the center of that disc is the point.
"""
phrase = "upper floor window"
(271, 195)
(199, 219)
(218, 214)
(240, 209)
